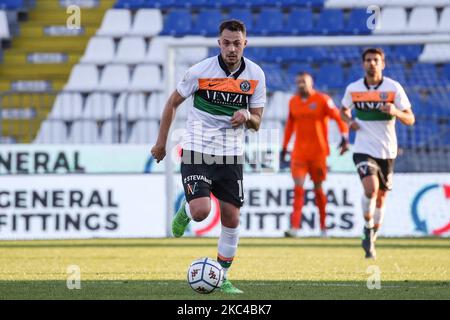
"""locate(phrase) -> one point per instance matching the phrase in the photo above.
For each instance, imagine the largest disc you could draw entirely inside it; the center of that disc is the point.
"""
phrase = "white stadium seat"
(109, 132)
(51, 132)
(402, 3)
(418, 16)
(147, 23)
(147, 78)
(84, 131)
(432, 3)
(116, 23)
(436, 53)
(444, 21)
(131, 50)
(67, 106)
(114, 78)
(392, 20)
(157, 50)
(84, 78)
(155, 105)
(100, 50)
(99, 106)
(4, 27)
(144, 131)
(131, 106)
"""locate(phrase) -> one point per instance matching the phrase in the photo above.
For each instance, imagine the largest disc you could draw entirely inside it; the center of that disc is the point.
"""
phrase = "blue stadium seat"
(207, 23)
(177, 23)
(199, 4)
(330, 76)
(257, 54)
(166, 4)
(396, 71)
(275, 78)
(354, 73)
(311, 54)
(129, 4)
(331, 21)
(345, 53)
(284, 54)
(407, 52)
(446, 71)
(299, 22)
(226, 3)
(245, 16)
(357, 22)
(424, 75)
(296, 67)
(12, 4)
(269, 22)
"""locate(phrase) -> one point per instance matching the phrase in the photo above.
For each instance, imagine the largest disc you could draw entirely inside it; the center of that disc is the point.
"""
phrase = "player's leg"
(318, 172)
(228, 189)
(197, 188)
(228, 241)
(368, 170)
(298, 171)
(379, 211)
(385, 177)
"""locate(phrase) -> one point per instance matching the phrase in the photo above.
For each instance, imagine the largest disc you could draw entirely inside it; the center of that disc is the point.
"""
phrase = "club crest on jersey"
(384, 95)
(192, 189)
(313, 106)
(245, 86)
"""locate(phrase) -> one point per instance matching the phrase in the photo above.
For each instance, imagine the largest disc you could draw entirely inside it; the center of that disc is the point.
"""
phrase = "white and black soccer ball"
(205, 275)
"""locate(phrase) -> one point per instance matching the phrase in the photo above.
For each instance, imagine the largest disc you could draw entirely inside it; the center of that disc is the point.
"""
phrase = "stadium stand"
(115, 87)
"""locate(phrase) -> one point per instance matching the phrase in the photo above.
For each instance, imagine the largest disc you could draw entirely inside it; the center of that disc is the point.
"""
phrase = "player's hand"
(354, 125)
(158, 152)
(240, 117)
(389, 108)
(343, 145)
(283, 155)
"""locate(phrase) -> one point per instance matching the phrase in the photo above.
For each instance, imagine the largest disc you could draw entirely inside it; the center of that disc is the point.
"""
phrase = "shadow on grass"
(253, 290)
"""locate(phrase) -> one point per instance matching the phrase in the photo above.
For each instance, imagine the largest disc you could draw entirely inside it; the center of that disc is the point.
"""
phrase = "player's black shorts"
(370, 166)
(222, 175)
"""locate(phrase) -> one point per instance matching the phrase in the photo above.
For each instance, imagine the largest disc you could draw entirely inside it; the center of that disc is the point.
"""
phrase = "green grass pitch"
(304, 268)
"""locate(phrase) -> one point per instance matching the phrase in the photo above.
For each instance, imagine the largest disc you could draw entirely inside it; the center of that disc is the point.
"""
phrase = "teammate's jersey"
(216, 96)
(376, 136)
(308, 119)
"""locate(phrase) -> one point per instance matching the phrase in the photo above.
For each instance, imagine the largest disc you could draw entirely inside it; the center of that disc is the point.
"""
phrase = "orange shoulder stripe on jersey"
(228, 85)
(373, 96)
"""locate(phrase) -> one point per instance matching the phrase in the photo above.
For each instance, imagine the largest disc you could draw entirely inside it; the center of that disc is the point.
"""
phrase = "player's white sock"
(378, 216)
(368, 206)
(188, 210)
(227, 246)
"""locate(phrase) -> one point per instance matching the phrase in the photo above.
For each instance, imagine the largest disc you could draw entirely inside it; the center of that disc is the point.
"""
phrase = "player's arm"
(404, 116)
(346, 116)
(250, 117)
(334, 113)
(159, 149)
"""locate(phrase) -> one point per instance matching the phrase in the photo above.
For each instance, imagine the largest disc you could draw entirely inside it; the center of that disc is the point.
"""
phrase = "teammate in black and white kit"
(377, 101)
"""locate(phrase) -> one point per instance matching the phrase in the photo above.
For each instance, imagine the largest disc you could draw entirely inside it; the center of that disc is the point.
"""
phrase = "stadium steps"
(41, 58)
(21, 57)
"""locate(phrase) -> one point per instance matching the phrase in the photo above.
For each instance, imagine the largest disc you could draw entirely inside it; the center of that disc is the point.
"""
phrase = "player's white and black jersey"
(216, 95)
(376, 136)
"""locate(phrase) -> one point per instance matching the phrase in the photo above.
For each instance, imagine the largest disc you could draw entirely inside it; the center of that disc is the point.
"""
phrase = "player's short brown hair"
(374, 51)
(233, 25)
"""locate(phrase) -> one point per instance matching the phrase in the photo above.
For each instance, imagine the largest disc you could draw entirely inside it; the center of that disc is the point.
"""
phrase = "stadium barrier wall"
(93, 159)
(111, 206)
(81, 206)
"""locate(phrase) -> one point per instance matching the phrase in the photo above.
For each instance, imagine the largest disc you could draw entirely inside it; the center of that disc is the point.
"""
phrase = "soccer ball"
(205, 275)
